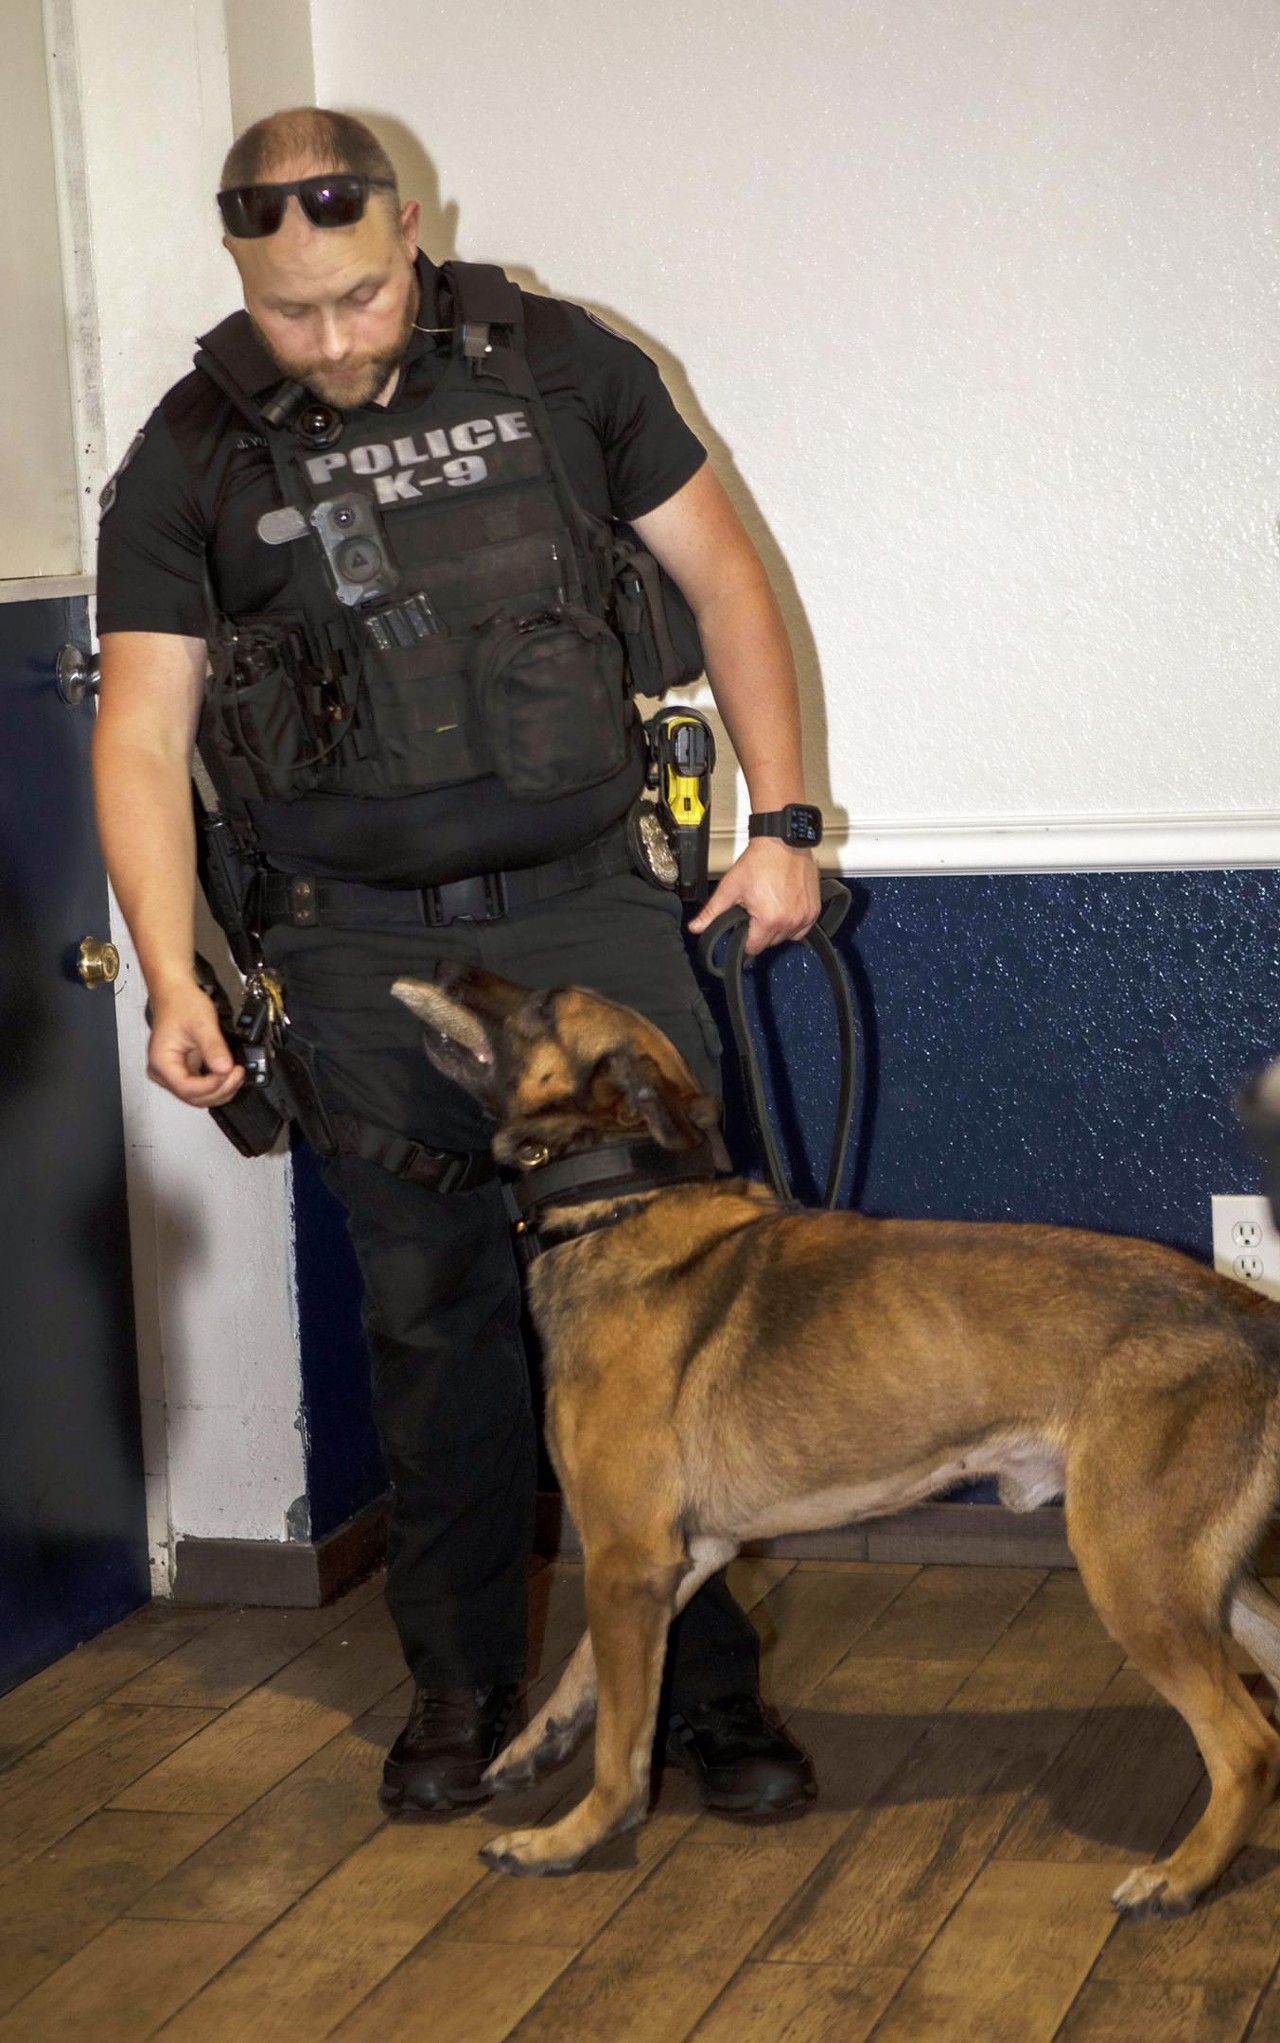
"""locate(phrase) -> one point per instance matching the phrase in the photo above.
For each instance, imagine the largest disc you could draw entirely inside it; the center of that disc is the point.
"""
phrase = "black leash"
(732, 927)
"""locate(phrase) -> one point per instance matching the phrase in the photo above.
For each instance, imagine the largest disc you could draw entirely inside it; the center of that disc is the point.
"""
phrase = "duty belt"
(305, 902)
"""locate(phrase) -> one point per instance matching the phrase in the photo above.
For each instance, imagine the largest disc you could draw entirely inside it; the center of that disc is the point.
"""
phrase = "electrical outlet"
(1245, 1242)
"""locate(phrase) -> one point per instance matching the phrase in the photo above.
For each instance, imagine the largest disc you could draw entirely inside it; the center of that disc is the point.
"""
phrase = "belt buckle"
(453, 1173)
(481, 899)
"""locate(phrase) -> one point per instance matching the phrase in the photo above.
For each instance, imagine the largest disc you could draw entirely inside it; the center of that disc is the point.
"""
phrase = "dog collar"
(619, 1171)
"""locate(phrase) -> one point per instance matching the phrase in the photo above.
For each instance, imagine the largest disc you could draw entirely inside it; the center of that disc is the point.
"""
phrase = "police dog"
(721, 1368)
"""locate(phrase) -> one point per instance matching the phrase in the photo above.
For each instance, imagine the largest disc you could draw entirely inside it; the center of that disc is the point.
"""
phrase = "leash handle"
(836, 901)
(732, 927)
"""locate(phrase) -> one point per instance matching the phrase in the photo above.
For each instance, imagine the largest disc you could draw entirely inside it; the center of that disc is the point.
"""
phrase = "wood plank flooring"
(191, 1848)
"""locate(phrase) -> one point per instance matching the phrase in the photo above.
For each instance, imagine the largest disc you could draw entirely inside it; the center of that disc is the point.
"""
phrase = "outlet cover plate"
(1246, 1245)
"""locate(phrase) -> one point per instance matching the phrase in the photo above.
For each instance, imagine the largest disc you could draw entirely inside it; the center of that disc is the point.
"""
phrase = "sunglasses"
(251, 210)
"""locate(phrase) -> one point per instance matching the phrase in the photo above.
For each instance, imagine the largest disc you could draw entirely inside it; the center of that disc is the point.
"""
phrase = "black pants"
(442, 1301)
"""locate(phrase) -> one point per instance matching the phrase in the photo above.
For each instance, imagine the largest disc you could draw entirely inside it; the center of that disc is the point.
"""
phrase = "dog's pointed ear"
(458, 1043)
(674, 1116)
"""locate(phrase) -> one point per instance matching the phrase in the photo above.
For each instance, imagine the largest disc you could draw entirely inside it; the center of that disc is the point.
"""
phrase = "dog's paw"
(537, 1751)
(506, 1775)
(524, 1851)
(1147, 1892)
(522, 1763)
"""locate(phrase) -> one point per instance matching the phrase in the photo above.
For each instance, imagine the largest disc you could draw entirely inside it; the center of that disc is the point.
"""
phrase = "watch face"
(804, 825)
(798, 825)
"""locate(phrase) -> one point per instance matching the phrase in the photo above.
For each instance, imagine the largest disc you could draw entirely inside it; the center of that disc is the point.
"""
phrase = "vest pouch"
(551, 695)
(655, 622)
(420, 718)
(526, 573)
(272, 709)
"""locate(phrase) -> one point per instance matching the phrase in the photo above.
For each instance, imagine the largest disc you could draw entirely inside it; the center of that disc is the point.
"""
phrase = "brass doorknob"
(99, 961)
(76, 674)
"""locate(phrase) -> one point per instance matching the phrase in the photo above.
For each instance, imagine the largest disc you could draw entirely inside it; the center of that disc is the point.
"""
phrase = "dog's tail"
(1258, 1106)
(1253, 1619)
(1252, 1615)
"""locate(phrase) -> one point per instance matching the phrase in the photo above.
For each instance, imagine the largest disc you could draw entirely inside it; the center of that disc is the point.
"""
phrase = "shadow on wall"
(419, 179)
(439, 234)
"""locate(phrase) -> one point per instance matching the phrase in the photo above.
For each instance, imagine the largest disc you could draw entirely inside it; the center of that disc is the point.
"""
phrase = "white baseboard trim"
(1029, 844)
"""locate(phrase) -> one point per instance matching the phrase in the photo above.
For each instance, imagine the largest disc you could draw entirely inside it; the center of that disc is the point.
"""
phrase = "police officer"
(362, 478)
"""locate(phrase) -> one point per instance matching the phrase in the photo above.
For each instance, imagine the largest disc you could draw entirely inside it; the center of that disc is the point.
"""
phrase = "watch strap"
(799, 824)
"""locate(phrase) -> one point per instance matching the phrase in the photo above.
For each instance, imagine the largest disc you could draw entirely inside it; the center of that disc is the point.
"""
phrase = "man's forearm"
(148, 840)
(753, 679)
(147, 713)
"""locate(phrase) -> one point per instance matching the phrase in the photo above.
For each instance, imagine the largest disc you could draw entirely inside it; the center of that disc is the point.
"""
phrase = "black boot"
(742, 1759)
(438, 1761)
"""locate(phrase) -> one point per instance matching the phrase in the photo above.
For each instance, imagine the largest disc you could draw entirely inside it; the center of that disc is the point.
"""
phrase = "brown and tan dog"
(722, 1369)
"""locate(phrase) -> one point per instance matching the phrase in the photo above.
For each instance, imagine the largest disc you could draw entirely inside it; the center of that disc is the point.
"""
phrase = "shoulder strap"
(231, 356)
(483, 296)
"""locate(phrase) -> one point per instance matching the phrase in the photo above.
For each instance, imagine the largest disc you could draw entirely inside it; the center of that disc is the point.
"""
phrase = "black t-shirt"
(196, 482)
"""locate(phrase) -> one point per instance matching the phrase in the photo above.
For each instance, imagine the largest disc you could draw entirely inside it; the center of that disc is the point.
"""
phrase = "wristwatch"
(798, 825)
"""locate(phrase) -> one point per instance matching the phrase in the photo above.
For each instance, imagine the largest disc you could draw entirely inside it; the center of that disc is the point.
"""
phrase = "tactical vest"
(451, 612)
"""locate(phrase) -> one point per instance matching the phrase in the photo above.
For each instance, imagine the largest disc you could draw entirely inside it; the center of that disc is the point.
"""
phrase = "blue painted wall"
(1058, 1047)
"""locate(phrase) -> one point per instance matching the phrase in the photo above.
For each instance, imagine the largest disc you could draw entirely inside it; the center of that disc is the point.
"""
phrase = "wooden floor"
(190, 1845)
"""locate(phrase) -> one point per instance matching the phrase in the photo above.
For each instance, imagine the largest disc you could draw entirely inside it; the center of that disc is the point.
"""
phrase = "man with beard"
(350, 390)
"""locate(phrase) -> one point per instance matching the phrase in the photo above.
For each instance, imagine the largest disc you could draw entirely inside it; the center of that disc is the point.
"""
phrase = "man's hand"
(188, 1054)
(778, 887)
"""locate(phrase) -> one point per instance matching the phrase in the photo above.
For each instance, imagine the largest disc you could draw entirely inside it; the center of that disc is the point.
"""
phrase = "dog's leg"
(1153, 1577)
(631, 1594)
(563, 1721)
(1239, 1748)
(558, 1729)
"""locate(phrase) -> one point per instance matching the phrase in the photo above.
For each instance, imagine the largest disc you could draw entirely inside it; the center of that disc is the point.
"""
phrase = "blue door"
(73, 1548)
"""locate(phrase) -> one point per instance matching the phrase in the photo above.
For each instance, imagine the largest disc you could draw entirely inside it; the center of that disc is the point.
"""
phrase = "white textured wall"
(156, 123)
(39, 520)
(980, 300)
(270, 61)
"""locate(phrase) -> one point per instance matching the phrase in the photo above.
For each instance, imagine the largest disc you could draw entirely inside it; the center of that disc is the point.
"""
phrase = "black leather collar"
(619, 1172)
